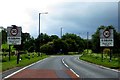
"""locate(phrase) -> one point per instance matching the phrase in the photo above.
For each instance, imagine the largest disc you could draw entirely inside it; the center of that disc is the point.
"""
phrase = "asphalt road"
(67, 67)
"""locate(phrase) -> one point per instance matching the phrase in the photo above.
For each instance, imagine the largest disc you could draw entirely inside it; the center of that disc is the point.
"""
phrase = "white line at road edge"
(99, 65)
(23, 68)
(69, 68)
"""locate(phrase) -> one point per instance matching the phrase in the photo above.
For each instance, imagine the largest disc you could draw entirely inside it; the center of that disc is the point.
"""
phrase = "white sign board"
(106, 38)
(14, 35)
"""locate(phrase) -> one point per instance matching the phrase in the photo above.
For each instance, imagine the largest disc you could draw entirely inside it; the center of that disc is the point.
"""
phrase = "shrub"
(106, 52)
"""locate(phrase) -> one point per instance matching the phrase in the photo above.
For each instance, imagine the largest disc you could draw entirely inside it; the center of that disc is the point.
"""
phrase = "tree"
(47, 48)
(53, 37)
(79, 43)
(25, 39)
(5, 47)
(44, 38)
(4, 36)
(30, 45)
(60, 46)
(72, 46)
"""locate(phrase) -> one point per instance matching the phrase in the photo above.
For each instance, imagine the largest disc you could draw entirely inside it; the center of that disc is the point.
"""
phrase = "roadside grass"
(96, 59)
(25, 60)
(73, 53)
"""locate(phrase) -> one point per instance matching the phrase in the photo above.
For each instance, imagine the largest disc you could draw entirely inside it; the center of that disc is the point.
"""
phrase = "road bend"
(65, 68)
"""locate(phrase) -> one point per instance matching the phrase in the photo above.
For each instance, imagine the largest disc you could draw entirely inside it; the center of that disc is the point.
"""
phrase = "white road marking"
(23, 68)
(69, 68)
(75, 73)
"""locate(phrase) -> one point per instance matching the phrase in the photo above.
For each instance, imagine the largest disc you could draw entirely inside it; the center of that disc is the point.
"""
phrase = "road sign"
(106, 33)
(14, 32)
(14, 35)
(106, 38)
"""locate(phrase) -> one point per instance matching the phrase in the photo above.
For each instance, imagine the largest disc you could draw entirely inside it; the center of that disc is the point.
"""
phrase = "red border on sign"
(104, 34)
(11, 32)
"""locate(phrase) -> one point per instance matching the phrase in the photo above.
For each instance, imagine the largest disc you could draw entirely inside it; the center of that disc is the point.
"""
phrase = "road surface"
(65, 68)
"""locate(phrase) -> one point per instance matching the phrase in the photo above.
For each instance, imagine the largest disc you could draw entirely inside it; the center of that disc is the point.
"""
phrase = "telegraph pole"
(61, 32)
(39, 31)
(87, 41)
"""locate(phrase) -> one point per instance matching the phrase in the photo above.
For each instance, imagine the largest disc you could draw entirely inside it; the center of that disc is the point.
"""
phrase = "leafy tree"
(60, 46)
(25, 39)
(30, 45)
(4, 36)
(44, 38)
(53, 37)
(72, 46)
(5, 47)
(79, 43)
(47, 48)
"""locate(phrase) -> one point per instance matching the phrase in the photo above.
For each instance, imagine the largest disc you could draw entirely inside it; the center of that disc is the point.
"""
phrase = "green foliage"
(106, 52)
(60, 46)
(72, 45)
(75, 41)
(12, 48)
(53, 37)
(4, 36)
(5, 47)
(96, 59)
(47, 48)
(23, 62)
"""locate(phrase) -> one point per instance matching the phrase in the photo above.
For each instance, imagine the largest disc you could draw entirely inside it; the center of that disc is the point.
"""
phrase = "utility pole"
(87, 41)
(61, 32)
(39, 31)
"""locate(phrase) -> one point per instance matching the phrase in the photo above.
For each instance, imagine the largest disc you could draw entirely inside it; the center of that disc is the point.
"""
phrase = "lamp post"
(39, 30)
(61, 32)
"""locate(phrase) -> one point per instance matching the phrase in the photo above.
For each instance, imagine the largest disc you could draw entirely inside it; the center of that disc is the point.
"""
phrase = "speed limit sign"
(14, 31)
(106, 33)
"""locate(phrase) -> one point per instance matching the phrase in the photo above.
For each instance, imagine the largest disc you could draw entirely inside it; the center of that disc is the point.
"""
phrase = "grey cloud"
(76, 17)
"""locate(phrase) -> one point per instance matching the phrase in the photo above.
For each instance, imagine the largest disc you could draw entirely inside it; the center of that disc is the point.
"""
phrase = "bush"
(106, 52)
(46, 48)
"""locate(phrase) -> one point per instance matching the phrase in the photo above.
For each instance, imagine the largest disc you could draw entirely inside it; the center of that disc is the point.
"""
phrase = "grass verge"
(24, 62)
(114, 64)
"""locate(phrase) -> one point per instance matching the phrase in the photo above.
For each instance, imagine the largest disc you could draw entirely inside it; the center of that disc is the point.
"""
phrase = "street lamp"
(39, 20)
(61, 32)
(39, 28)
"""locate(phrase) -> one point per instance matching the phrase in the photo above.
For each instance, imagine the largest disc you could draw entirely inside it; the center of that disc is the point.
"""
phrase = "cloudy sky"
(74, 16)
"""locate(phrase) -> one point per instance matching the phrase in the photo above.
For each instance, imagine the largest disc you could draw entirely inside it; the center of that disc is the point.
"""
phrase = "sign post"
(14, 37)
(107, 40)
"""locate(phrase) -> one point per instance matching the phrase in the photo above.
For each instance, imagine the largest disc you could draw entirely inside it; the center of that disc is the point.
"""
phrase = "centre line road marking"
(69, 68)
(23, 69)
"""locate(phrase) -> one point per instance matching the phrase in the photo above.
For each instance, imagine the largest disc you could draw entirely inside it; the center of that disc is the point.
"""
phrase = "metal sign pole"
(110, 55)
(9, 52)
(18, 56)
(102, 54)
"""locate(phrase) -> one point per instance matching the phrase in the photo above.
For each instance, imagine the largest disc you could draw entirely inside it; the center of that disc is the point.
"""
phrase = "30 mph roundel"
(14, 31)
(106, 33)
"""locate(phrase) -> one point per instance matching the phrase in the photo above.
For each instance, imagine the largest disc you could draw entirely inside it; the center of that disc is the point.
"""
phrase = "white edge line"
(99, 65)
(69, 68)
(23, 69)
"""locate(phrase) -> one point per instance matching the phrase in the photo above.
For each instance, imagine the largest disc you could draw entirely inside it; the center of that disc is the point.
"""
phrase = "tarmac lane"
(50, 69)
